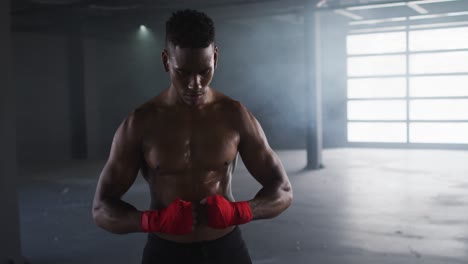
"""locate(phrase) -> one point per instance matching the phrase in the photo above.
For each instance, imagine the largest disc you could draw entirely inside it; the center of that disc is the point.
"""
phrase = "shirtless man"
(185, 143)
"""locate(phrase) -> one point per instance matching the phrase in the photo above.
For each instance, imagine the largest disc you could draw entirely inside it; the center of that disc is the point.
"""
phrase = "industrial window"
(408, 86)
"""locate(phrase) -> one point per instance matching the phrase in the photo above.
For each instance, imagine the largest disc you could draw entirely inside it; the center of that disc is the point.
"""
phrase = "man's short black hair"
(190, 29)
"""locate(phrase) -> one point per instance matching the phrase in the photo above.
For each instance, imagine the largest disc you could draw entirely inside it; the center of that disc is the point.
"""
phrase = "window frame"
(408, 30)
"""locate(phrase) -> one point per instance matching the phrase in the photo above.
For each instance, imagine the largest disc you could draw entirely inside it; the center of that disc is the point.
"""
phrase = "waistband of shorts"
(236, 232)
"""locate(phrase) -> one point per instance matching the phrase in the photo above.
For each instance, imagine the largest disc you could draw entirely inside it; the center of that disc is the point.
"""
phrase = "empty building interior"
(365, 103)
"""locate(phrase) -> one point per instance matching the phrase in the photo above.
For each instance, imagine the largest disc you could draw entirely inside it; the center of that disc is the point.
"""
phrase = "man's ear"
(165, 60)
(215, 57)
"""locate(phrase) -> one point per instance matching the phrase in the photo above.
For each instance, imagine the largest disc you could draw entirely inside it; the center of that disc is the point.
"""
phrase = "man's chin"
(193, 102)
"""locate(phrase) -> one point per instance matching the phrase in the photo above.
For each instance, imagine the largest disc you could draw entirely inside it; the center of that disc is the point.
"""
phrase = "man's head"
(190, 56)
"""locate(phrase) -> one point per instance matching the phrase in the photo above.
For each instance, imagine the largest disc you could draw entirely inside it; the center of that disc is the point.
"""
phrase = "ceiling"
(97, 7)
(62, 15)
(226, 7)
(56, 15)
(417, 12)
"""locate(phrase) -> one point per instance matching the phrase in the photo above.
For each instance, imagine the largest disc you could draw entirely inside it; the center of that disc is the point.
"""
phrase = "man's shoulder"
(231, 105)
(141, 114)
(238, 114)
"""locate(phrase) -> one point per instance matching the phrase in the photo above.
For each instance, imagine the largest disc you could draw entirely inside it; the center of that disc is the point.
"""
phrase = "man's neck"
(174, 99)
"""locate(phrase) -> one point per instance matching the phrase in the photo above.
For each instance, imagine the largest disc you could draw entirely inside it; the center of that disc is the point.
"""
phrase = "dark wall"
(120, 75)
(261, 64)
(10, 247)
(40, 80)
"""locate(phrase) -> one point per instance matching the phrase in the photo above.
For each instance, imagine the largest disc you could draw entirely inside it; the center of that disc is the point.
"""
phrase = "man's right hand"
(176, 219)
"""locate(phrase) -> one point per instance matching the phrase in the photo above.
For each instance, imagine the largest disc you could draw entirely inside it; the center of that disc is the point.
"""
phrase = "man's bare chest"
(183, 143)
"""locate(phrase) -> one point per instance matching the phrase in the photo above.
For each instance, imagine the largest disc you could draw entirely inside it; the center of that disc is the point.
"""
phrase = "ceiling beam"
(326, 5)
(417, 8)
(348, 14)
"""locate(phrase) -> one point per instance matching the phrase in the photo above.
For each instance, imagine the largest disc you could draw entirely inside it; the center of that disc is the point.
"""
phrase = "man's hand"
(200, 214)
(222, 213)
(177, 219)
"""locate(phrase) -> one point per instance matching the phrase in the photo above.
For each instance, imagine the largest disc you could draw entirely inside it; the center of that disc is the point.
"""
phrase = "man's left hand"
(222, 213)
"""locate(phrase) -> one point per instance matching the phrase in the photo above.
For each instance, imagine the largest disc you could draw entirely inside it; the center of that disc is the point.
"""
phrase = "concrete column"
(91, 87)
(313, 88)
(10, 246)
(75, 51)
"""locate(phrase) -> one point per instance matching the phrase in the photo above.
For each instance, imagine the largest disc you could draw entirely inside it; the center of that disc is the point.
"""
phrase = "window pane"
(376, 132)
(443, 62)
(377, 110)
(439, 86)
(439, 133)
(372, 43)
(376, 65)
(439, 39)
(377, 87)
(443, 109)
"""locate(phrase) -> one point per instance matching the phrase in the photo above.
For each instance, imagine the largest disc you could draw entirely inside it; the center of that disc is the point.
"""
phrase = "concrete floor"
(366, 206)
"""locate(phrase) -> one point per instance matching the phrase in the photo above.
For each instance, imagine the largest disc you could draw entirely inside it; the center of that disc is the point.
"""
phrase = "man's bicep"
(121, 169)
(256, 153)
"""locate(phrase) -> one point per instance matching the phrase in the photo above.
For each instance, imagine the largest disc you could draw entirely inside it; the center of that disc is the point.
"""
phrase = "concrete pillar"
(10, 246)
(91, 87)
(313, 88)
(75, 51)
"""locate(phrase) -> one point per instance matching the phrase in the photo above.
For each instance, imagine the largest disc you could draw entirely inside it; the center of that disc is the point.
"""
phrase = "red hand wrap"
(177, 219)
(223, 213)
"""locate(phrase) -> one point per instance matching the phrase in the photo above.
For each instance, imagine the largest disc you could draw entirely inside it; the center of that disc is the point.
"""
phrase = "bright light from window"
(448, 133)
(377, 132)
(374, 43)
(377, 110)
(440, 109)
(441, 62)
(439, 86)
(376, 88)
(439, 39)
(376, 65)
(376, 96)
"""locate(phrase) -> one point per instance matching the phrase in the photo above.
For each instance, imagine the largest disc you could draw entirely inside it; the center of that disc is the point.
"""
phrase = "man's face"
(191, 71)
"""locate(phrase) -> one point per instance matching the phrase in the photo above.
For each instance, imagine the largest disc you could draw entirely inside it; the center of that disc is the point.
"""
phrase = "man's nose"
(195, 82)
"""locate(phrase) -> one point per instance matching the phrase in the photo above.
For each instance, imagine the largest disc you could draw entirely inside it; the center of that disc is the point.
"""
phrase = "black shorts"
(228, 249)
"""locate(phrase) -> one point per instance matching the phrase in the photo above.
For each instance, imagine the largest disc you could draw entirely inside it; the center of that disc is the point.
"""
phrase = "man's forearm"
(117, 216)
(270, 202)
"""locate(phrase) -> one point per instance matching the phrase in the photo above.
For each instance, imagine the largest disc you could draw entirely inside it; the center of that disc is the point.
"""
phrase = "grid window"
(377, 132)
(439, 39)
(440, 62)
(377, 110)
(377, 88)
(439, 86)
(372, 43)
(439, 109)
(448, 133)
(425, 101)
(376, 65)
